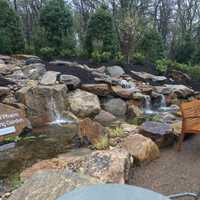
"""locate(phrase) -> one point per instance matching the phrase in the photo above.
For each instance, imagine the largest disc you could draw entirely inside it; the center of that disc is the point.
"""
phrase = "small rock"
(4, 91)
(33, 60)
(49, 78)
(116, 106)
(142, 148)
(4, 69)
(129, 128)
(72, 82)
(1, 61)
(161, 133)
(105, 118)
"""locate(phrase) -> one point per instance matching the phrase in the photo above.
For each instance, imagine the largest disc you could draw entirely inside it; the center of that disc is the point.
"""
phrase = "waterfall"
(147, 105)
(56, 117)
(162, 101)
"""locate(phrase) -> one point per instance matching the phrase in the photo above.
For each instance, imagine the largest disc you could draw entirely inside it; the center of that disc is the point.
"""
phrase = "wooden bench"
(191, 119)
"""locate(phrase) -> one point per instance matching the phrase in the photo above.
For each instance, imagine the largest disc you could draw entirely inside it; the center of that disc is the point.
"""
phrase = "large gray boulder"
(44, 103)
(83, 104)
(116, 106)
(115, 71)
(49, 78)
(51, 184)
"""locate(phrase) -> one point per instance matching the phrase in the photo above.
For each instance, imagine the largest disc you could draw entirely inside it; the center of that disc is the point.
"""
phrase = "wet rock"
(125, 93)
(49, 78)
(83, 104)
(105, 118)
(72, 82)
(98, 89)
(11, 117)
(51, 184)
(34, 71)
(179, 90)
(116, 106)
(43, 102)
(142, 148)
(4, 91)
(91, 131)
(66, 63)
(161, 133)
(115, 71)
(148, 77)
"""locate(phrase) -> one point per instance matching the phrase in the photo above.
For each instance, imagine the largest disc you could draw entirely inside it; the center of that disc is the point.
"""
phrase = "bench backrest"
(191, 116)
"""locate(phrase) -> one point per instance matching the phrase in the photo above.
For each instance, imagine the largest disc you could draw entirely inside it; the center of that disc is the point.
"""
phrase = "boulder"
(142, 148)
(4, 91)
(115, 71)
(125, 93)
(72, 82)
(2, 61)
(12, 121)
(161, 133)
(5, 58)
(51, 184)
(33, 60)
(116, 106)
(129, 128)
(66, 63)
(34, 71)
(83, 104)
(91, 131)
(4, 69)
(49, 78)
(143, 76)
(133, 111)
(109, 166)
(44, 103)
(181, 91)
(105, 118)
(179, 76)
(98, 89)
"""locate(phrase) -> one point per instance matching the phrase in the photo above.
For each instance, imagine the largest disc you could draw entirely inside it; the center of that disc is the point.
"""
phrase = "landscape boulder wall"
(44, 103)
(11, 117)
(83, 104)
(51, 184)
(142, 148)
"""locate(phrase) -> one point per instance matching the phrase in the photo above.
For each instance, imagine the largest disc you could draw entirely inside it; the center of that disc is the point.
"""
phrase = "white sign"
(6, 131)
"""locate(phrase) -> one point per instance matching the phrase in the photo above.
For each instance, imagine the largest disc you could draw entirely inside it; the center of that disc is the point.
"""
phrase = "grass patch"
(116, 132)
(102, 144)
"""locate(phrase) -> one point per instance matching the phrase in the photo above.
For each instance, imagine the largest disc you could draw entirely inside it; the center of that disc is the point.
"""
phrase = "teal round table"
(112, 192)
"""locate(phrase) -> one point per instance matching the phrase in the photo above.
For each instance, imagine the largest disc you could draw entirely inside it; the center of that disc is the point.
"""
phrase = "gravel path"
(174, 172)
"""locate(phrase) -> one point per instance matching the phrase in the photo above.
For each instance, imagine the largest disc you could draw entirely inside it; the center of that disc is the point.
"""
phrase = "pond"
(43, 143)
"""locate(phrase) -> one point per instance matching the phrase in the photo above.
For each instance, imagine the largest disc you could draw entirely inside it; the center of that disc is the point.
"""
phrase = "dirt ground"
(174, 171)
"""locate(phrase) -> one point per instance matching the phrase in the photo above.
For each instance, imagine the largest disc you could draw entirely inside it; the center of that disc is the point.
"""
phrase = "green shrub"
(139, 58)
(116, 132)
(162, 65)
(47, 53)
(119, 58)
(99, 57)
(102, 144)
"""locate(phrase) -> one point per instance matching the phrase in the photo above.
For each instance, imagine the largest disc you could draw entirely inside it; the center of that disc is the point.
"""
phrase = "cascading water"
(55, 114)
(147, 105)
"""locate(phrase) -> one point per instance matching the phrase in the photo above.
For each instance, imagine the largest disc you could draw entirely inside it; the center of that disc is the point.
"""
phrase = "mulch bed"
(85, 76)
